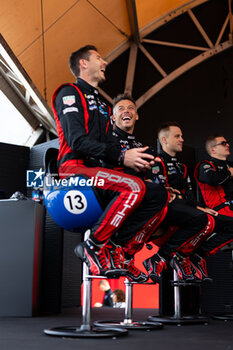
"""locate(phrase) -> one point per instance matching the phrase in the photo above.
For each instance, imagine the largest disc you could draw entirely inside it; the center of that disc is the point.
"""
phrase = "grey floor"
(27, 333)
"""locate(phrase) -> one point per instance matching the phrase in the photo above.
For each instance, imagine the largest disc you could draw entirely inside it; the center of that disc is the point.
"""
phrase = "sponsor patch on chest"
(155, 170)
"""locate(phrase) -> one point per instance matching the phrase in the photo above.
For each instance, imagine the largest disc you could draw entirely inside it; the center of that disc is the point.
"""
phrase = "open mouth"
(126, 118)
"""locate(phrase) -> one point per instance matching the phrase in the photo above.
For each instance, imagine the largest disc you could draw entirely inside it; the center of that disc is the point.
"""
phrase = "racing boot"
(133, 273)
(116, 258)
(154, 266)
(182, 265)
(96, 258)
(198, 265)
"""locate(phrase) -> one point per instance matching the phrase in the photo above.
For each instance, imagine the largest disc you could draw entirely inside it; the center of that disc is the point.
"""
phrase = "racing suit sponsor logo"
(68, 100)
(102, 111)
(119, 179)
(120, 214)
(132, 197)
(140, 236)
(91, 102)
(198, 238)
(70, 109)
(172, 172)
(155, 170)
(209, 169)
(92, 107)
(162, 177)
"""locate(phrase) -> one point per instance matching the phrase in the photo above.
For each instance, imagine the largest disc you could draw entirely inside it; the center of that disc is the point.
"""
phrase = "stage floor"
(27, 333)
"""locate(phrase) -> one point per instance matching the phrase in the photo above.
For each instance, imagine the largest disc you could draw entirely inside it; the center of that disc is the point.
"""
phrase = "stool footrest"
(184, 283)
(226, 317)
(94, 332)
(196, 319)
(130, 324)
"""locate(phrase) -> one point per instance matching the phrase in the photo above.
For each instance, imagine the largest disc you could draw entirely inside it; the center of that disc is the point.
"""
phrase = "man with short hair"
(192, 222)
(108, 294)
(170, 172)
(86, 143)
(215, 175)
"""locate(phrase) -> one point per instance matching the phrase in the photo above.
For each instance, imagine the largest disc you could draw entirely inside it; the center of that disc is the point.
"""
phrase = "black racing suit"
(216, 188)
(195, 225)
(108, 300)
(172, 173)
(191, 222)
(216, 185)
(86, 141)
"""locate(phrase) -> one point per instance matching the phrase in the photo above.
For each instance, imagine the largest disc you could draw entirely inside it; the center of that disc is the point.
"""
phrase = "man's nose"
(105, 62)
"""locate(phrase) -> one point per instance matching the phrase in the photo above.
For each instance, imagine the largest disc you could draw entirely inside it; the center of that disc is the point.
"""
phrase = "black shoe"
(182, 265)
(198, 265)
(155, 266)
(133, 273)
(95, 257)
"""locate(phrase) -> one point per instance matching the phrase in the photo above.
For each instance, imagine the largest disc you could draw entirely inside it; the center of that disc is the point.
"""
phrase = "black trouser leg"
(191, 222)
(223, 235)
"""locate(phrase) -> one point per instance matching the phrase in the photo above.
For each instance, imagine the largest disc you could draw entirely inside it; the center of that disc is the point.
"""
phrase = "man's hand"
(208, 211)
(136, 159)
(173, 192)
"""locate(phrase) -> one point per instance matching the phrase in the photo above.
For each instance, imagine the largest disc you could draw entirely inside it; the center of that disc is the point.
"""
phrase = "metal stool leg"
(128, 322)
(86, 330)
(177, 318)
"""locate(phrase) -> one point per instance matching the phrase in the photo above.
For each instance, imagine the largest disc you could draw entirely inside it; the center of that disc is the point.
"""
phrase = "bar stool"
(86, 330)
(128, 321)
(63, 205)
(159, 239)
(177, 318)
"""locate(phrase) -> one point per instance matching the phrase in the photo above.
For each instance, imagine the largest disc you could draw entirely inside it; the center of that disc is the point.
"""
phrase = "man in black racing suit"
(214, 176)
(193, 224)
(86, 141)
(170, 172)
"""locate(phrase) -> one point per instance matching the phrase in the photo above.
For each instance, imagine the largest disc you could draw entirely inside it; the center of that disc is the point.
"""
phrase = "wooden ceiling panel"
(70, 24)
(55, 10)
(116, 11)
(81, 26)
(150, 10)
(32, 61)
(20, 23)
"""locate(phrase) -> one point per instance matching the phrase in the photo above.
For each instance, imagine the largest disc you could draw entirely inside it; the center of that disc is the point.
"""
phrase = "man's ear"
(137, 116)
(163, 140)
(83, 63)
(212, 150)
(113, 118)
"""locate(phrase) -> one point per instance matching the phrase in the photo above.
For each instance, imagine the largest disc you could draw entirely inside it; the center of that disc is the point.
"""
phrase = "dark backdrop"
(201, 100)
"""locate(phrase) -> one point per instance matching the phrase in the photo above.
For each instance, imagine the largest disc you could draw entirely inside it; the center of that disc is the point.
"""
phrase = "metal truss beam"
(153, 26)
(131, 69)
(133, 20)
(206, 51)
(19, 84)
(181, 70)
